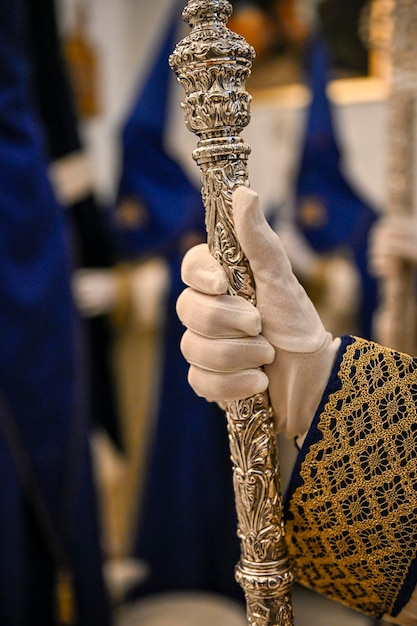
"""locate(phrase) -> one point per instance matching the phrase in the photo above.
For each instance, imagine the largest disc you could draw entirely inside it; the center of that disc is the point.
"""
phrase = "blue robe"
(54, 100)
(39, 375)
(345, 218)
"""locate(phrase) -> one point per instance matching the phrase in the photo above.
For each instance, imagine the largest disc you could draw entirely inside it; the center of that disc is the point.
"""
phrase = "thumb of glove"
(289, 318)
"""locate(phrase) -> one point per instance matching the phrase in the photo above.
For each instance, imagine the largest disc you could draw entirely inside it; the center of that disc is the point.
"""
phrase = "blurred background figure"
(186, 530)
(50, 557)
(330, 215)
(66, 93)
(72, 179)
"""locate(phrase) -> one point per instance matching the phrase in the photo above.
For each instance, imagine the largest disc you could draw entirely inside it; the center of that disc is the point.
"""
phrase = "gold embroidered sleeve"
(351, 509)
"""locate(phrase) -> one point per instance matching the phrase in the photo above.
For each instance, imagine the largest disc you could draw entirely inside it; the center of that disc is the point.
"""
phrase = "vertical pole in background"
(212, 64)
(398, 323)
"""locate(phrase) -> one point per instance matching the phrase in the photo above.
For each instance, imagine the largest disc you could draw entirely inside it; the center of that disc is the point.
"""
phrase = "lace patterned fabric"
(352, 510)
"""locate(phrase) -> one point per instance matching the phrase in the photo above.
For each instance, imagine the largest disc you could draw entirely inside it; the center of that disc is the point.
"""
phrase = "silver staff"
(398, 307)
(212, 64)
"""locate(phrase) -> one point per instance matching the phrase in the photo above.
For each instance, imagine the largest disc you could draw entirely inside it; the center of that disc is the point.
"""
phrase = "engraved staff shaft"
(398, 308)
(212, 64)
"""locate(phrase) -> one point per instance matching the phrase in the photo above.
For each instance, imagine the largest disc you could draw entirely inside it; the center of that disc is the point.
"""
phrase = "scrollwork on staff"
(212, 64)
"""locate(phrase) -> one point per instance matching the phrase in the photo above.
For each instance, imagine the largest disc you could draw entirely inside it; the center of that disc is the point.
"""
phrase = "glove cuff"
(297, 383)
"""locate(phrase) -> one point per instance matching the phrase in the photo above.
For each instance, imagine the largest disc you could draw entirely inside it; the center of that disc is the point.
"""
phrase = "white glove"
(95, 291)
(393, 240)
(223, 343)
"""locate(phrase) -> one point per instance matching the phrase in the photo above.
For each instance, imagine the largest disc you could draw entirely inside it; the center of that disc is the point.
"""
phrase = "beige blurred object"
(149, 287)
(332, 281)
(136, 289)
(338, 304)
(122, 575)
(121, 572)
(72, 177)
(183, 609)
(95, 291)
(136, 353)
(396, 317)
(393, 240)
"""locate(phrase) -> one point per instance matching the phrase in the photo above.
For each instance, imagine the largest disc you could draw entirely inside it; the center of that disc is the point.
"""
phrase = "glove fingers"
(220, 316)
(227, 387)
(226, 355)
(289, 319)
(261, 245)
(202, 272)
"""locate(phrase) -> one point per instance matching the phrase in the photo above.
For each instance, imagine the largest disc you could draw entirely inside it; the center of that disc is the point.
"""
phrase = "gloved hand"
(392, 241)
(95, 291)
(227, 338)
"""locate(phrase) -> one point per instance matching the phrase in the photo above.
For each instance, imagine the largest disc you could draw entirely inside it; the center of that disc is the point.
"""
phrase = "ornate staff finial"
(212, 64)
(199, 12)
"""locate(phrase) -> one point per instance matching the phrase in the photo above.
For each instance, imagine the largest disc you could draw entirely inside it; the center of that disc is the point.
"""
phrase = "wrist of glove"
(227, 339)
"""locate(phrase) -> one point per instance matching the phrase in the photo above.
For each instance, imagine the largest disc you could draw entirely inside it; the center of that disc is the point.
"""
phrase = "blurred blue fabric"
(90, 244)
(39, 364)
(149, 174)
